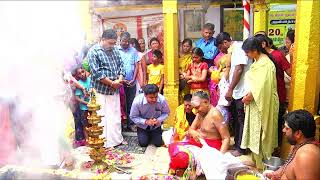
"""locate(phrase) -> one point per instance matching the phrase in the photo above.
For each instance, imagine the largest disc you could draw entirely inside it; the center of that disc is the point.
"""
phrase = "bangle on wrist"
(112, 83)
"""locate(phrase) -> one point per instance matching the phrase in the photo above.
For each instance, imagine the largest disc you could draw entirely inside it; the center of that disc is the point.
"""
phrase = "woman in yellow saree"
(185, 59)
(261, 104)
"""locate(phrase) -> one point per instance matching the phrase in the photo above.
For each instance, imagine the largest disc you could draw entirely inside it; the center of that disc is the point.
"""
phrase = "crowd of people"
(118, 73)
(225, 87)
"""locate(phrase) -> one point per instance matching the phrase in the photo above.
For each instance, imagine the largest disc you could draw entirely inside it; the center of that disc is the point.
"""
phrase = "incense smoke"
(38, 39)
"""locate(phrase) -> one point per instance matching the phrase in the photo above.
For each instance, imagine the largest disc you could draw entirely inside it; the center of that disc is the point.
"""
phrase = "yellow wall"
(171, 90)
(84, 9)
(306, 61)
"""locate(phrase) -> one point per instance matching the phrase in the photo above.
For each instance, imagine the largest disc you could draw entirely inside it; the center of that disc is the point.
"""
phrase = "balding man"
(207, 125)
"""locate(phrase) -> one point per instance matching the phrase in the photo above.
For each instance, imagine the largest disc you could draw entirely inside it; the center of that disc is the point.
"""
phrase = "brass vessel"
(95, 142)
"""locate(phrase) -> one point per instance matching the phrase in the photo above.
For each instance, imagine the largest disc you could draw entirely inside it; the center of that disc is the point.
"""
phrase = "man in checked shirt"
(107, 74)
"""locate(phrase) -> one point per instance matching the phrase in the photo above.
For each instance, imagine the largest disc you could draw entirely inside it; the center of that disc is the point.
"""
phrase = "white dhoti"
(138, 88)
(111, 122)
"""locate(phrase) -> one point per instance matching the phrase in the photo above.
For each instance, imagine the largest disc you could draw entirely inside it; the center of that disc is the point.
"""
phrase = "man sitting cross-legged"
(208, 125)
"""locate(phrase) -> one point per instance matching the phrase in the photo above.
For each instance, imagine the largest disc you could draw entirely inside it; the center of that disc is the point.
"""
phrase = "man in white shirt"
(240, 64)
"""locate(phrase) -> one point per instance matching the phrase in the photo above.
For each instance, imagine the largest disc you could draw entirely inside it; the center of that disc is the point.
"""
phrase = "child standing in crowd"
(156, 70)
(197, 72)
(81, 122)
(223, 104)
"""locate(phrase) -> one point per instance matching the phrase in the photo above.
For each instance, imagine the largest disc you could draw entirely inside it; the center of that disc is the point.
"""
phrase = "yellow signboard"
(279, 24)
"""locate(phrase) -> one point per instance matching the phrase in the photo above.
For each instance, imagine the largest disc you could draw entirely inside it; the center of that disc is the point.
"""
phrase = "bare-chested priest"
(304, 159)
(208, 125)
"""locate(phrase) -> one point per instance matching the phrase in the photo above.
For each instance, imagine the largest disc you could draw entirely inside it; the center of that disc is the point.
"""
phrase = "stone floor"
(158, 158)
(150, 160)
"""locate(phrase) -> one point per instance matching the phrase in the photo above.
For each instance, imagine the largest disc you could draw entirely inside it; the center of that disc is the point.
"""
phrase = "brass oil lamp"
(95, 142)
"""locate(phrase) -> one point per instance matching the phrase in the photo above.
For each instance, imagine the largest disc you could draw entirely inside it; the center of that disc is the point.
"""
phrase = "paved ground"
(158, 158)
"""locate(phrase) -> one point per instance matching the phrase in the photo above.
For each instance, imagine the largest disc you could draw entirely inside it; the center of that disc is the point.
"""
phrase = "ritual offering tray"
(243, 173)
(246, 174)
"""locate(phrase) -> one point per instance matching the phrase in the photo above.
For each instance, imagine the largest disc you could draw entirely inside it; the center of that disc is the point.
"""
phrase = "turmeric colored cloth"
(184, 63)
(260, 133)
(180, 159)
(181, 124)
(182, 121)
(155, 72)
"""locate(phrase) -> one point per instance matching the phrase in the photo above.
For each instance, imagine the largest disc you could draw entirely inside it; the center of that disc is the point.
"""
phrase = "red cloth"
(282, 65)
(150, 56)
(180, 159)
(211, 142)
(123, 104)
(8, 143)
(197, 71)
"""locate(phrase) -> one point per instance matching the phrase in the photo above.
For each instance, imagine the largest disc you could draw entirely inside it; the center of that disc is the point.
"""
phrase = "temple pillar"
(86, 19)
(305, 83)
(260, 16)
(171, 86)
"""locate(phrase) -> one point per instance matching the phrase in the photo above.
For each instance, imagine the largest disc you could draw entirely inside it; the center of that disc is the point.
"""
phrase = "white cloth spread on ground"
(212, 162)
(167, 136)
(209, 161)
(111, 122)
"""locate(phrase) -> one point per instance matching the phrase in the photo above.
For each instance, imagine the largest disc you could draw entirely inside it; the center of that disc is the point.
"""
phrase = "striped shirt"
(104, 63)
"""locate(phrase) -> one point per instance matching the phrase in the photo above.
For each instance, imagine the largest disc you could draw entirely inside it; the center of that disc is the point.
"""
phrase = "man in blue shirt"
(207, 44)
(148, 112)
(129, 56)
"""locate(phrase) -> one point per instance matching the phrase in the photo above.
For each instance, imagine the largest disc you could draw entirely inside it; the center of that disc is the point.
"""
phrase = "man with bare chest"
(208, 125)
(303, 161)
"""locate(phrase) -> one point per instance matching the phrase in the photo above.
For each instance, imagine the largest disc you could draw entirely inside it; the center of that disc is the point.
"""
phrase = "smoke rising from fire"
(38, 39)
